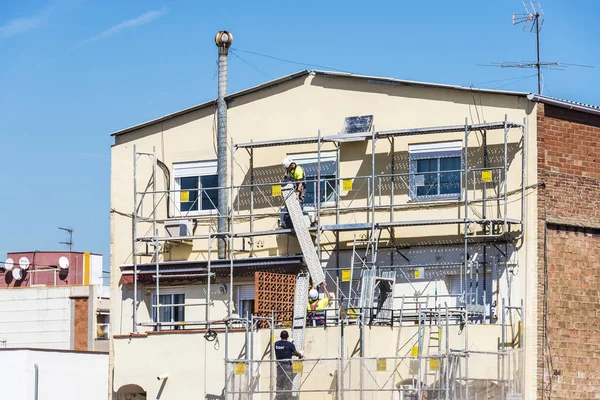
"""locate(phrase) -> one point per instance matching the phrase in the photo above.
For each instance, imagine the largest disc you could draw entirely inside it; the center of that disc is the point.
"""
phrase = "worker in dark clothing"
(284, 351)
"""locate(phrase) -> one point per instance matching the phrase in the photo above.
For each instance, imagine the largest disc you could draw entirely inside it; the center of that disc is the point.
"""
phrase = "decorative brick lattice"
(274, 293)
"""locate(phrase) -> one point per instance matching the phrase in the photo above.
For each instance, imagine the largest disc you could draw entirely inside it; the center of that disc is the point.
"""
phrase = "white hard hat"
(287, 162)
(313, 294)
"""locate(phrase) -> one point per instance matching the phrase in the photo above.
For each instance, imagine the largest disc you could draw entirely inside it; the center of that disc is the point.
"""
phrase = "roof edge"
(416, 83)
(570, 105)
(372, 78)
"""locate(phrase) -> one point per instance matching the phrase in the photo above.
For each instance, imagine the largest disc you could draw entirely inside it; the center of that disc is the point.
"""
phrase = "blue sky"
(72, 71)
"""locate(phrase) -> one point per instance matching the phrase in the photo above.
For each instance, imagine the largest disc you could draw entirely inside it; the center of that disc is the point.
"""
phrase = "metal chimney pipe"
(223, 41)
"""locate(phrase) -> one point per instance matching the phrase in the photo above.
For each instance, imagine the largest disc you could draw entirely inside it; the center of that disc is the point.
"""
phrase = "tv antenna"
(70, 242)
(533, 19)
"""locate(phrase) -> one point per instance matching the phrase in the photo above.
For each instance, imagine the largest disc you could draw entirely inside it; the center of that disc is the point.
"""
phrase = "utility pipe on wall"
(223, 40)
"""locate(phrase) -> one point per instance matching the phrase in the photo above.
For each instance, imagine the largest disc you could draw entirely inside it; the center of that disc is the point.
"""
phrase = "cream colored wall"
(299, 109)
(195, 366)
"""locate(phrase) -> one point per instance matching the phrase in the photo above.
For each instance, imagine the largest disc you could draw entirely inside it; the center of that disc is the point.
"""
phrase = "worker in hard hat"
(284, 350)
(316, 306)
(295, 173)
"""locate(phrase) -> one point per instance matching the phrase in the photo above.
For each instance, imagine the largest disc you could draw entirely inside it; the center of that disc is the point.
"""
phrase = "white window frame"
(166, 292)
(190, 169)
(438, 150)
(313, 158)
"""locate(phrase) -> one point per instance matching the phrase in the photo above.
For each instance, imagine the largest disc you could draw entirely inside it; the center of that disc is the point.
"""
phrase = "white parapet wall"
(57, 375)
(37, 317)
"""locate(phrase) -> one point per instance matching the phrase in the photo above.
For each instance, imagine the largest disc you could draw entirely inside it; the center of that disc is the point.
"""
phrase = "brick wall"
(80, 324)
(569, 253)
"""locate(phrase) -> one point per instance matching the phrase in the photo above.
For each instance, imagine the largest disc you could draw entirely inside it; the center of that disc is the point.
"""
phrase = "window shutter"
(245, 292)
(197, 168)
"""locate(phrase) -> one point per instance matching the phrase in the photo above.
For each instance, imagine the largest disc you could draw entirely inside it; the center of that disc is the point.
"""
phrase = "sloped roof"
(304, 73)
(569, 104)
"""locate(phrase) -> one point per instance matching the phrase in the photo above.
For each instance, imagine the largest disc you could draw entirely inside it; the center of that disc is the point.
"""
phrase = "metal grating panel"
(304, 238)
(274, 293)
(299, 323)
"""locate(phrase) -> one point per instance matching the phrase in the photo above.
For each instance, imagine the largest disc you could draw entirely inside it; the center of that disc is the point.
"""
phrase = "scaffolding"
(353, 306)
(430, 368)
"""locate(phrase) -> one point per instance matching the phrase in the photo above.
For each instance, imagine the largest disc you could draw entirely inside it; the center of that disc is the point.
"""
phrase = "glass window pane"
(427, 165)
(450, 181)
(328, 184)
(178, 311)
(210, 198)
(430, 185)
(450, 164)
(189, 184)
(165, 312)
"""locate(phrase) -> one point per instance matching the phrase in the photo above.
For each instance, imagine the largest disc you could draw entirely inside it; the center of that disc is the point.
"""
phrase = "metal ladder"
(367, 265)
(434, 346)
(306, 244)
(299, 320)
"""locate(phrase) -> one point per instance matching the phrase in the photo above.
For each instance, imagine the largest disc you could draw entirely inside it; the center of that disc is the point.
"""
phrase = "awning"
(177, 271)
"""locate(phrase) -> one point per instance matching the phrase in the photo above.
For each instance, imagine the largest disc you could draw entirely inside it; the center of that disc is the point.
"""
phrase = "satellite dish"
(8, 264)
(63, 262)
(24, 262)
(17, 274)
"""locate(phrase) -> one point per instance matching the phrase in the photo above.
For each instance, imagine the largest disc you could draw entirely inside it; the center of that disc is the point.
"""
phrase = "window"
(329, 185)
(193, 183)
(174, 313)
(435, 170)
(245, 296)
(103, 325)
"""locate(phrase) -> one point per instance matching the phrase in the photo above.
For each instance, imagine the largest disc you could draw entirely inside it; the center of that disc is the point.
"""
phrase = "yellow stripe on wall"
(86, 268)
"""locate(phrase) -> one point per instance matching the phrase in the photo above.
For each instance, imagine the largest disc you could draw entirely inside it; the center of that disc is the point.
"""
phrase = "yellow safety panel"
(240, 368)
(345, 275)
(184, 196)
(415, 351)
(486, 176)
(297, 367)
(434, 364)
(347, 184)
(381, 364)
(276, 190)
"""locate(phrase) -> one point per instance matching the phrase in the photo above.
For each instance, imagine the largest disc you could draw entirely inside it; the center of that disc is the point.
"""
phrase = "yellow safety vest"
(297, 174)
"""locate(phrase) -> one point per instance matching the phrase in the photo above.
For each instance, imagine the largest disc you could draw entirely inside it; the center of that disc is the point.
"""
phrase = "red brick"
(568, 332)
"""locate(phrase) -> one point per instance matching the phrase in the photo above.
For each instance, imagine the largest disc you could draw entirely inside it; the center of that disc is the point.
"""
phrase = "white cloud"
(19, 26)
(128, 24)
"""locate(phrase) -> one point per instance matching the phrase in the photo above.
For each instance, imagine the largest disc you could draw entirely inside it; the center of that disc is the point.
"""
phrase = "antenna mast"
(70, 242)
(533, 17)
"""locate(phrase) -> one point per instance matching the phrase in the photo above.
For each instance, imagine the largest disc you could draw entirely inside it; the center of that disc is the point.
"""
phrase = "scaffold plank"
(306, 244)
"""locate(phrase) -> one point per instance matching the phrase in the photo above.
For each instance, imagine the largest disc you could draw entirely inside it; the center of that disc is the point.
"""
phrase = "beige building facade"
(406, 175)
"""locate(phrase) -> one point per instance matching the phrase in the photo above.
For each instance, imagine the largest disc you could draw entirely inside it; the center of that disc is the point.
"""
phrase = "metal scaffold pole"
(318, 195)
(134, 241)
(157, 309)
(466, 254)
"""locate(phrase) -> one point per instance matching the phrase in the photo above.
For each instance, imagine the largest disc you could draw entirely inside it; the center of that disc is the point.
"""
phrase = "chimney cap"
(223, 39)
